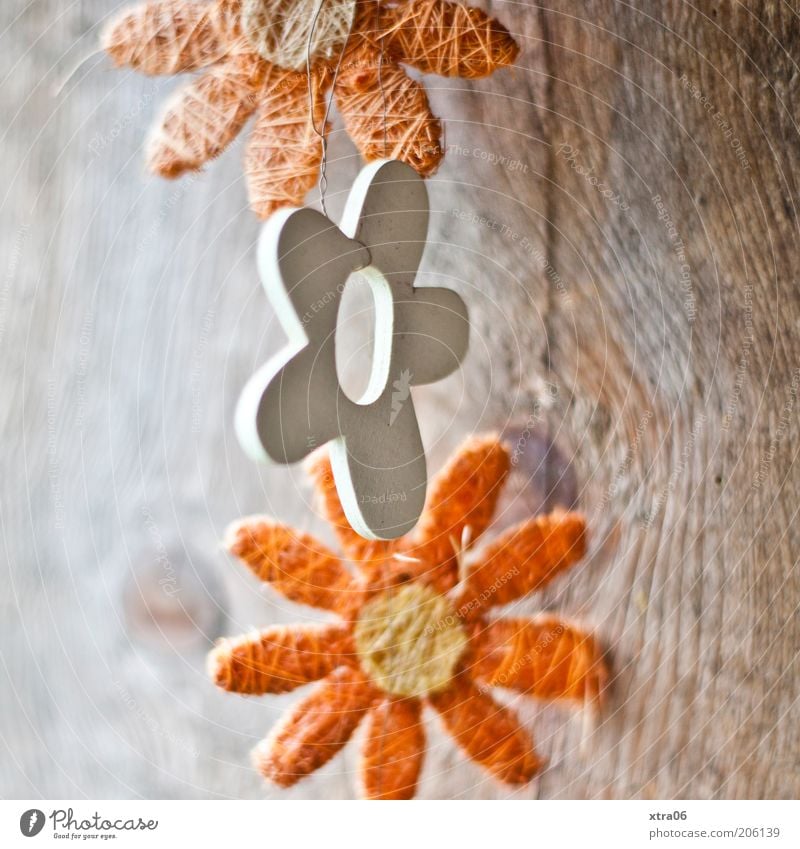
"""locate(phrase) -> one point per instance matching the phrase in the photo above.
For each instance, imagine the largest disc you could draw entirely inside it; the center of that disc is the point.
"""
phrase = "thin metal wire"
(323, 165)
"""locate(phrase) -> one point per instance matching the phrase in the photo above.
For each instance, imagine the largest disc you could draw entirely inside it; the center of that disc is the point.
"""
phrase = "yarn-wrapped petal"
(366, 553)
(461, 503)
(546, 658)
(444, 38)
(524, 559)
(203, 118)
(394, 748)
(294, 563)
(386, 113)
(280, 658)
(284, 151)
(315, 729)
(171, 36)
(488, 732)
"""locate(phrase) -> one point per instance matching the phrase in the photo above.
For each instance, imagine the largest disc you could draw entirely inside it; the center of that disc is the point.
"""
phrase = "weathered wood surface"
(653, 342)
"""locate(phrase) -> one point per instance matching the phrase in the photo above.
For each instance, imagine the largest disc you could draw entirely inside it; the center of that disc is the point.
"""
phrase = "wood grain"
(647, 344)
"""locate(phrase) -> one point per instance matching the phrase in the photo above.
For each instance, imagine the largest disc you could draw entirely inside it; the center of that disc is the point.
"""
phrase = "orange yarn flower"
(411, 629)
(257, 51)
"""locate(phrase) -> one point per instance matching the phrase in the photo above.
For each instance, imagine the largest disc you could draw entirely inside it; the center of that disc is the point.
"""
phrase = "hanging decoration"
(412, 628)
(295, 402)
(414, 618)
(277, 59)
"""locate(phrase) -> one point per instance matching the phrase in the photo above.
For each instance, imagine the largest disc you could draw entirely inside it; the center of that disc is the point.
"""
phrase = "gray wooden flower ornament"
(295, 402)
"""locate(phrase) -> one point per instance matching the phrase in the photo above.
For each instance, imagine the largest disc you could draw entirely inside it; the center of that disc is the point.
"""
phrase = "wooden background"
(649, 345)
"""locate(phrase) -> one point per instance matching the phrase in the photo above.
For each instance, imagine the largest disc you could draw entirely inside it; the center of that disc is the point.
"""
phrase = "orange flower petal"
(315, 729)
(279, 659)
(393, 749)
(448, 39)
(284, 152)
(489, 733)
(295, 564)
(461, 503)
(366, 91)
(367, 553)
(524, 559)
(546, 658)
(168, 36)
(203, 118)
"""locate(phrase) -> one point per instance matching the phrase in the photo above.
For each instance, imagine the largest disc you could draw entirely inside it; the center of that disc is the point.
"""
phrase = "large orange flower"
(257, 55)
(411, 629)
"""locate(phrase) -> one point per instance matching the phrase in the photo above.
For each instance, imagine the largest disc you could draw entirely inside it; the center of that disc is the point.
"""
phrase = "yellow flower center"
(409, 640)
(279, 30)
